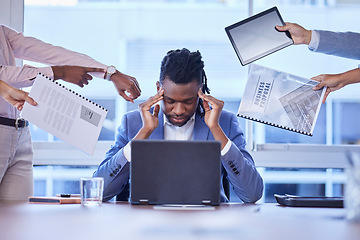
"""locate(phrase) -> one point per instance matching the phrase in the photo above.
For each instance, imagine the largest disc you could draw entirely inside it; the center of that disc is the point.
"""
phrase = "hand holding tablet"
(257, 37)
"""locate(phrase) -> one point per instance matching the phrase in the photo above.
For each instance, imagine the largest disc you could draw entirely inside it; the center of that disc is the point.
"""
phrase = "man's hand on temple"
(212, 114)
(150, 120)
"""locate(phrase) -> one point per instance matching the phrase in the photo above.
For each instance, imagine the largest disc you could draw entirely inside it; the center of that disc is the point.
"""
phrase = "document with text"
(65, 114)
(281, 99)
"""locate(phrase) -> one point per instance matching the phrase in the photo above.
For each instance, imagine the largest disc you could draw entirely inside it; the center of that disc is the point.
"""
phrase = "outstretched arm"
(334, 82)
(74, 74)
(33, 49)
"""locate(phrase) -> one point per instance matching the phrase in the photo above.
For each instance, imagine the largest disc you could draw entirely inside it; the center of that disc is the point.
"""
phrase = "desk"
(24, 221)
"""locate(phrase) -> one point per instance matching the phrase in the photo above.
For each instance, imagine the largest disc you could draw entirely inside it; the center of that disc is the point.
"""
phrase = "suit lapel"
(201, 130)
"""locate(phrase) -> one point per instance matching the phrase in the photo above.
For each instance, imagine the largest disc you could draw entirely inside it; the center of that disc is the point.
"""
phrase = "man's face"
(180, 101)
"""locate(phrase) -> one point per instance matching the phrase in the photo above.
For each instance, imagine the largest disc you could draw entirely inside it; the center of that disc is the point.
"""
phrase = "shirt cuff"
(314, 42)
(226, 148)
(127, 151)
(47, 71)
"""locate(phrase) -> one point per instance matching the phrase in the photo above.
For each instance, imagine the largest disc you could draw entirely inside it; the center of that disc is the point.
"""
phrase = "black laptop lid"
(175, 172)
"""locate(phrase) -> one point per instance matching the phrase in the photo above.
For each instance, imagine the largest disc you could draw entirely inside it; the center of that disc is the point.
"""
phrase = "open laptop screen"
(256, 36)
(175, 172)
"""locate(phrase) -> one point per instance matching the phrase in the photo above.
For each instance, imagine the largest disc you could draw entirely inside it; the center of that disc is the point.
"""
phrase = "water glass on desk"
(91, 191)
(352, 188)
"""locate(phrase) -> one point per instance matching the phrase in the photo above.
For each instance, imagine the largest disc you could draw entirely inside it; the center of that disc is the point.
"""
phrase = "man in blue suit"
(186, 113)
(342, 44)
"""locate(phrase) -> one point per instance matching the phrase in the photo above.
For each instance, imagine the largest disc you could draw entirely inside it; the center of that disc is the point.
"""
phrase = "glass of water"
(91, 191)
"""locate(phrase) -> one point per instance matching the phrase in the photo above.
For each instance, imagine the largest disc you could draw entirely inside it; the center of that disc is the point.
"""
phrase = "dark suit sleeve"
(239, 165)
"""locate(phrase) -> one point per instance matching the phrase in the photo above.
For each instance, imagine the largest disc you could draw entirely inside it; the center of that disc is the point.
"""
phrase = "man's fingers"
(126, 97)
(215, 103)
(317, 78)
(210, 99)
(282, 28)
(320, 85)
(30, 100)
(325, 96)
(87, 77)
(156, 110)
(205, 100)
(134, 87)
(91, 69)
(134, 91)
(206, 105)
(19, 105)
(154, 99)
(86, 81)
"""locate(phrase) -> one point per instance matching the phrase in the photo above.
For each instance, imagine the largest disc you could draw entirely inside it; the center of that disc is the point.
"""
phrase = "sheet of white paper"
(65, 114)
(281, 99)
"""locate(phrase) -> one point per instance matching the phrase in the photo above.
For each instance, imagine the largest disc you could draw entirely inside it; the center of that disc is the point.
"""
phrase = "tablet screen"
(256, 36)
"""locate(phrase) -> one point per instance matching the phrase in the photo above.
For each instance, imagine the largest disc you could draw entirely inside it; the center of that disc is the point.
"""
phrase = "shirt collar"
(167, 122)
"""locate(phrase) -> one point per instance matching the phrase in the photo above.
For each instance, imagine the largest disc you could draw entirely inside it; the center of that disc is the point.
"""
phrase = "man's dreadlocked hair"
(182, 67)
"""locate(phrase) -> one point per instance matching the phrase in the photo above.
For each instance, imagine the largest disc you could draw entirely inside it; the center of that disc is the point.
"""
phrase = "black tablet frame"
(252, 18)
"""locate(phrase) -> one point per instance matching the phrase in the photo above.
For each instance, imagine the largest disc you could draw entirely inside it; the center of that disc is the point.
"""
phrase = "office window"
(134, 35)
(346, 114)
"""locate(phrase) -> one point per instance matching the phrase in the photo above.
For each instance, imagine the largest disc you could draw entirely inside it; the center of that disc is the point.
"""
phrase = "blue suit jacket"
(238, 163)
(342, 44)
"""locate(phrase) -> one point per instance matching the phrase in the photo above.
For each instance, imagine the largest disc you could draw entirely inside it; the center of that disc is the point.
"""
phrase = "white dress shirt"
(185, 132)
(314, 42)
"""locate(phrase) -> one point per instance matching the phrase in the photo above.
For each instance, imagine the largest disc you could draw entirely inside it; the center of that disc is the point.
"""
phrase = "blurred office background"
(134, 35)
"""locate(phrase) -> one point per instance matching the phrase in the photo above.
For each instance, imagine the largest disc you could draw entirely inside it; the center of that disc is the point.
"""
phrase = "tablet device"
(257, 37)
(175, 172)
(297, 201)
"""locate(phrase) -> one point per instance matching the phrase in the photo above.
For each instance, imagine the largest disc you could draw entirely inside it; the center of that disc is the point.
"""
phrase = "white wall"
(12, 13)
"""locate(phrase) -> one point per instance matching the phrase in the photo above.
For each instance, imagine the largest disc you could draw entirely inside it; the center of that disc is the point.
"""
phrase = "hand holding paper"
(65, 114)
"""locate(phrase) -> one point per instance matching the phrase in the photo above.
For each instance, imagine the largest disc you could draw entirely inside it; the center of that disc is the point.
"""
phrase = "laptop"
(256, 37)
(175, 172)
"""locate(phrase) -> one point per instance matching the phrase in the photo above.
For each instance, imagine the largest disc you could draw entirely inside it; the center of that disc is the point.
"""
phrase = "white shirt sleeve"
(314, 42)
(33, 49)
(226, 148)
(127, 151)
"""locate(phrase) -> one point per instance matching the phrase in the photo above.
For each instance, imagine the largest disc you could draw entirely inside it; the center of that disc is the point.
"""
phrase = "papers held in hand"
(281, 99)
(65, 114)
